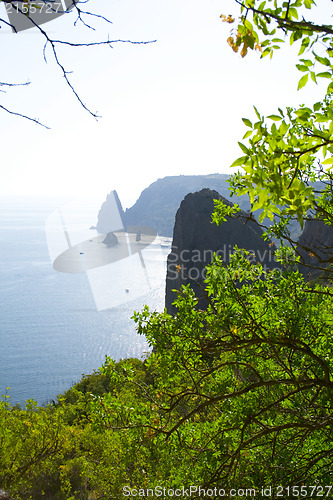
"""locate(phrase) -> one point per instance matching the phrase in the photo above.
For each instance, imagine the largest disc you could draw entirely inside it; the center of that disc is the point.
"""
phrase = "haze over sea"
(50, 330)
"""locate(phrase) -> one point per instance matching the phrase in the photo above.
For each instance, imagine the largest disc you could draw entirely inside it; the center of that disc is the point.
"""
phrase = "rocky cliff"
(158, 203)
(195, 238)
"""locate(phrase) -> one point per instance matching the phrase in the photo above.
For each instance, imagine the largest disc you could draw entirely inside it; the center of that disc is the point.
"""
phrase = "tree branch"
(56, 42)
(24, 116)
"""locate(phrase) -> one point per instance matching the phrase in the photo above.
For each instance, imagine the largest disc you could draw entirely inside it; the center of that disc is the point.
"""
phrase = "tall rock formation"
(195, 238)
(111, 214)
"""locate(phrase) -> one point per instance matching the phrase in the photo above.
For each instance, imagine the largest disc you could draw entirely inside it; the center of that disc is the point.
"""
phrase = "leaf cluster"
(287, 157)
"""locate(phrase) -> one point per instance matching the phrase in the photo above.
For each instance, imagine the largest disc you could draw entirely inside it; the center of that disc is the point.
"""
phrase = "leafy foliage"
(290, 149)
(239, 395)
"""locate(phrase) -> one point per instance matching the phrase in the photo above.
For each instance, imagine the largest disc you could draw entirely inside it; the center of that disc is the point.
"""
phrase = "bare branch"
(54, 43)
(6, 22)
(14, 84)
(24, 116)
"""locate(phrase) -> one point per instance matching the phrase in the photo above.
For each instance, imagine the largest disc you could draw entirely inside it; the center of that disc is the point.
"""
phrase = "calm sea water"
(50, 329)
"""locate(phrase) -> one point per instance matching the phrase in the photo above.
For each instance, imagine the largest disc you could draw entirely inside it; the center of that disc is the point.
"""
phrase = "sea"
(56, 326)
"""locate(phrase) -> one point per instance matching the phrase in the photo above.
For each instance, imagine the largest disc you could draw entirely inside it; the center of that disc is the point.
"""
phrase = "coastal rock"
(110, 240)
(196, 238)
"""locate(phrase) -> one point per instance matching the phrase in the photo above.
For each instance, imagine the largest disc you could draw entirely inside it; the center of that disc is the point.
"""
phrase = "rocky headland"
(157, 205)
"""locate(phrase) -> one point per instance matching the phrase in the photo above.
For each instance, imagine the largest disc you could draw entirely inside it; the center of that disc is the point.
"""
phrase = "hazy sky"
(169, 108)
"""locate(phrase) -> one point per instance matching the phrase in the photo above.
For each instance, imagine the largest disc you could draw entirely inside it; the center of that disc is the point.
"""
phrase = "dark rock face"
(195, 238)
(315, 246)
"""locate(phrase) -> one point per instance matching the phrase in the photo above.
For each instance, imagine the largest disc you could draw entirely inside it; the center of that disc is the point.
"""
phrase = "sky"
(172, 107)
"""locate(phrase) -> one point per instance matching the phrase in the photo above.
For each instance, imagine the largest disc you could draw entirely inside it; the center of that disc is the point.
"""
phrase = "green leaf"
(296, 35)
(262, 216)
(283, 128)
(248, 134)
(266, 52)
(322, 60)
(293, 13)
(305, 43)
(307, 62)
(249, 41)
(239, 162)
(302, 67)
(330, 130)
(329, 161)
(247, 122)
(276, 118)
(274, 132)
(324, 74)
(243, 148)
(303, 110)
(300, 219)
(257, 112)
(321, 118)
(303, 81)
(313, 76)
(247, 23)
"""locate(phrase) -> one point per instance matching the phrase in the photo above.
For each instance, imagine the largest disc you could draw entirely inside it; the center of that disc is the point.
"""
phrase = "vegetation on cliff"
(239, 395)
